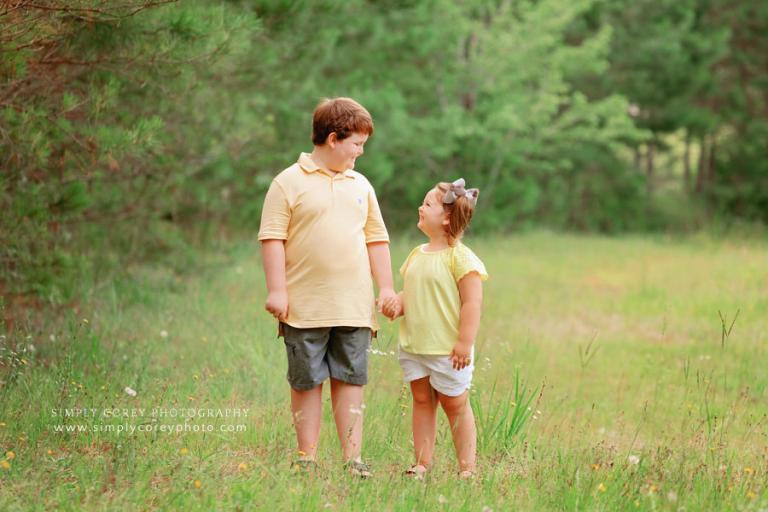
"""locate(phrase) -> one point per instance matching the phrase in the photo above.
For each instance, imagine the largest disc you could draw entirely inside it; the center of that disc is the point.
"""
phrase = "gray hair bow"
(457, 190)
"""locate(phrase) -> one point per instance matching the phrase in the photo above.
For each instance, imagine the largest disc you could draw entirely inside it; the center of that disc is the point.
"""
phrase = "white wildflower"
(130, 391)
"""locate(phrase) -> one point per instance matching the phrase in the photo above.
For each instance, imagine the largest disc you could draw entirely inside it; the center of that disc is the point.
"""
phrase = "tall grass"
(669, 413)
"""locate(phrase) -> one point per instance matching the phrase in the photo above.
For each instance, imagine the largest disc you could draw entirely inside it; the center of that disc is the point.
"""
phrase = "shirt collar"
(309, 166)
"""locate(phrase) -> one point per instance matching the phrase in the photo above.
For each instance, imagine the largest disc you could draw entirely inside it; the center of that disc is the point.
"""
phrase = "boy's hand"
(385, 296)
(277, 305)
(392, 307)
(461, 355)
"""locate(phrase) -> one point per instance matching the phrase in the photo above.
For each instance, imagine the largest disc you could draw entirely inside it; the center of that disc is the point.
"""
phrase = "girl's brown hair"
(343, 116)
(459, 213)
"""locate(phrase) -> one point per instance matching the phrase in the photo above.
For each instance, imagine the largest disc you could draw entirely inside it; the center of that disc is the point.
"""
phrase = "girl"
(441, 302)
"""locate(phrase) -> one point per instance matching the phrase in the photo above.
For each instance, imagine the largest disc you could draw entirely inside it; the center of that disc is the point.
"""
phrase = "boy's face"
(432, 217)
(345, 152)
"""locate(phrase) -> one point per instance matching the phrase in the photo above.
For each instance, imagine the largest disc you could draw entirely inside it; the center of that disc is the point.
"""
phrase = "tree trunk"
(701, 172)
(649, 170)
(687, 162)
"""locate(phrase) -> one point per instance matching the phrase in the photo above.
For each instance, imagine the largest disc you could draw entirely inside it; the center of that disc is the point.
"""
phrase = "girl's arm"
(471, 294)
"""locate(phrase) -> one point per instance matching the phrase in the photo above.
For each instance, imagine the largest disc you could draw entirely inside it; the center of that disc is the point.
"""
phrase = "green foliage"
(129, 128)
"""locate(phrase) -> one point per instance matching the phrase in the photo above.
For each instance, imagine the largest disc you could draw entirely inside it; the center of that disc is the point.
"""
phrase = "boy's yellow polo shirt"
(326, 220)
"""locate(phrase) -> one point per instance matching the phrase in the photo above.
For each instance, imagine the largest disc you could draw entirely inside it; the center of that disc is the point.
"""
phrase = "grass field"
(644, 394)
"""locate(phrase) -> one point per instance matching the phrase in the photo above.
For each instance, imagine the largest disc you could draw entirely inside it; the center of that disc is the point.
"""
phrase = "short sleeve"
(276, 214)
(375, 230)
(404, 266)
(466, 261)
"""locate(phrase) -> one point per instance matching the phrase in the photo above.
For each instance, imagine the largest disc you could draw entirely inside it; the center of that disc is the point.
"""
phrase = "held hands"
(390, 304)
(461, 355)
(277, 305)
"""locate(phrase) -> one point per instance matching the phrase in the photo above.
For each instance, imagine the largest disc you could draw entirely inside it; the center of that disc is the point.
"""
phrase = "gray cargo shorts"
(317, 353)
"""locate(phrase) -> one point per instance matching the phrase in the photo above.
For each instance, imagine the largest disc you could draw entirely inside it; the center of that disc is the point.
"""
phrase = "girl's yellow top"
(431, 297)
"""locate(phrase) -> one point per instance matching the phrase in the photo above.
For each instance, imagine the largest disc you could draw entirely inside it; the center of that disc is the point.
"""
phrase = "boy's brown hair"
(343, 116)
(459, 213)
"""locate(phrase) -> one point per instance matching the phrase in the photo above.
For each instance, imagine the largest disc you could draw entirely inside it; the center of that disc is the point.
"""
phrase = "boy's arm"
(471, 293)
(381, 268)
(273, 258)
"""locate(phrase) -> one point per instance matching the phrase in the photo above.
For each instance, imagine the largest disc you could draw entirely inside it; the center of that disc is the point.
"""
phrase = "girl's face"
(432, 217)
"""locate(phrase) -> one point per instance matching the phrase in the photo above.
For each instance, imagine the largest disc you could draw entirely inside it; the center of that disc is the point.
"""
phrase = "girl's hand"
(392, 307)
(461, 355)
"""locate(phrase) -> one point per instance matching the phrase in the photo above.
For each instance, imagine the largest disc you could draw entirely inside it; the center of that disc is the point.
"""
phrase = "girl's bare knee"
(455, 406)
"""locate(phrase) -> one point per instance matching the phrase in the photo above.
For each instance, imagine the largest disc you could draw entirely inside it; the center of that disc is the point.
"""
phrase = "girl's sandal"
(417, 471)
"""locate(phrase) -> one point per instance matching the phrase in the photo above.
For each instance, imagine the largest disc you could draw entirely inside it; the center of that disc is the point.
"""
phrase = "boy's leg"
(424, 420)
(462, 422)
(347, 401)
(348, 366)
(306, 409)
(307, 369)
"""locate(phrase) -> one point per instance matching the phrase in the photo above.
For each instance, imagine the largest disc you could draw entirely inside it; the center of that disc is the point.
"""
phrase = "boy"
(322, 237)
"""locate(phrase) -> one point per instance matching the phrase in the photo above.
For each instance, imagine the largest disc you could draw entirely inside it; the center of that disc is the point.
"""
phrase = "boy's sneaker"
(358, 468)
(303, 466)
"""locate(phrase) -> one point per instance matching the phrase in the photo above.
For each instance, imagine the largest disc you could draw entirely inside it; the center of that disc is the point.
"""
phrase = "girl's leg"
(306, 408)
(347, 401)
(424, 420)
(462, 422)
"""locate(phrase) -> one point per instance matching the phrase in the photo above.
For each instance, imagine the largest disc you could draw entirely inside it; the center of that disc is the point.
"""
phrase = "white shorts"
(440, 371)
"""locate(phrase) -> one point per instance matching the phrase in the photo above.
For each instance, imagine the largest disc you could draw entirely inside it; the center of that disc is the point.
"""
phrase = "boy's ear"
(332, 139)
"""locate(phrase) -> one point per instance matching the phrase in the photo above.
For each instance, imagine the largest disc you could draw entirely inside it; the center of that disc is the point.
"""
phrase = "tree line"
(131, 128)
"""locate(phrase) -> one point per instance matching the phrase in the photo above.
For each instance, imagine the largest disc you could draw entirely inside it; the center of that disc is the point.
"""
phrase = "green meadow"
(611, 374)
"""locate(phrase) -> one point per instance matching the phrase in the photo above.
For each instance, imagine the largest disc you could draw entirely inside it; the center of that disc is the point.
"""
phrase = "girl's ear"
(446, 221)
